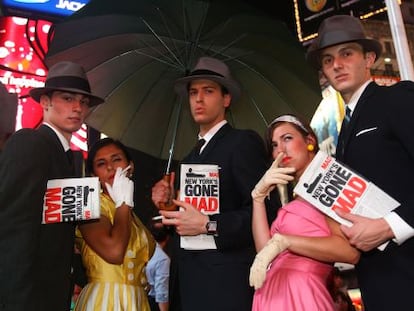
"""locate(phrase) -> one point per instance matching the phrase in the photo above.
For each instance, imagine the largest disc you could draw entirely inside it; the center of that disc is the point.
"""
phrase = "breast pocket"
(366, 131)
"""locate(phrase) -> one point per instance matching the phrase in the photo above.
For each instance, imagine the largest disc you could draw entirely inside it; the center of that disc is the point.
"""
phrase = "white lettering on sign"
(21, 82)
(69, 5)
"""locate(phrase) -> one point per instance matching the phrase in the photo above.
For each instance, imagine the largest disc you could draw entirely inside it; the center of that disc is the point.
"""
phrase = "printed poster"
(200, 186)
(71, 199)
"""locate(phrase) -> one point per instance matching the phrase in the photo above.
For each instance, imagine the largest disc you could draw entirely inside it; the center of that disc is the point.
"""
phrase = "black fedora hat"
(339, 29)
(66, 76)
(211, 69)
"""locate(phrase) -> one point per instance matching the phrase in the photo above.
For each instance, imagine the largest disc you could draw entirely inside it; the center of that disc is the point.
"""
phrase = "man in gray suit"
(215, 278)
(36, 259)
(376, 139)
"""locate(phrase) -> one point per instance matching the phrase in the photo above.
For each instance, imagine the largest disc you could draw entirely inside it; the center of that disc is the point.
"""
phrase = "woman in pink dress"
(296, 254)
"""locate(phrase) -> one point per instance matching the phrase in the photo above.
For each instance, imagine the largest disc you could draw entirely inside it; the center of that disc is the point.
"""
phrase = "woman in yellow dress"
(115, 248)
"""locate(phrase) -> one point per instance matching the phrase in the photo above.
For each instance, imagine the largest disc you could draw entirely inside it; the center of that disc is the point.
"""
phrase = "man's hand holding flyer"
(329, 185)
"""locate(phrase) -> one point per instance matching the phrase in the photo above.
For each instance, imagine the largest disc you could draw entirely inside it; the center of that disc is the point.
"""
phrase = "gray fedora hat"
(339, 29)
(211, 69)
(69, 77)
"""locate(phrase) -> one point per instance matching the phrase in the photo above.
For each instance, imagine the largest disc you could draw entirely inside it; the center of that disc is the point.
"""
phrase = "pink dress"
(293, 282)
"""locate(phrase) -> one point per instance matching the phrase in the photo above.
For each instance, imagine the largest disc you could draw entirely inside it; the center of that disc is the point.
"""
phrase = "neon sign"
(42, 8)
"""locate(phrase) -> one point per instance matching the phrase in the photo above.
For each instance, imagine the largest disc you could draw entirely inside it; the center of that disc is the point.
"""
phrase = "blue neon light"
(52, 7)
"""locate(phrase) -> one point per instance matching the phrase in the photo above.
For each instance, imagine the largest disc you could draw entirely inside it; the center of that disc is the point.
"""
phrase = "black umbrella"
(133, 54)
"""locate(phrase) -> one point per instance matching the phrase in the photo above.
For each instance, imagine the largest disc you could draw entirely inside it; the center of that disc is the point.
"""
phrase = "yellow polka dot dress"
(116, 287)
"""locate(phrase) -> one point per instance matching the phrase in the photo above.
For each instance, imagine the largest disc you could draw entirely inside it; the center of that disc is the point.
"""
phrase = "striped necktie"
(346, 121)
(344, 129)
(347, 116)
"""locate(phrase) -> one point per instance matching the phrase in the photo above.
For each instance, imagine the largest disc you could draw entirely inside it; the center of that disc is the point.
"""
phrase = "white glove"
(122, 189)
(277, 244)
(275, 175)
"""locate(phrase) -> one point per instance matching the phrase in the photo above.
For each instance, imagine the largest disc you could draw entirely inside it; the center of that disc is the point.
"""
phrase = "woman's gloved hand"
(122, 189)
(275, 175)
(277, 244)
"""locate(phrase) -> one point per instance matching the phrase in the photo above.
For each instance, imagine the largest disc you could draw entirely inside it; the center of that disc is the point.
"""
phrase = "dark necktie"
(196, 150)
(344, 129)
(347, 119)
(69, 155)
(198, 146)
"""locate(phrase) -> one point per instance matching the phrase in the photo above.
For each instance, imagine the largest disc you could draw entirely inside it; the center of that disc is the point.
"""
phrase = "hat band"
(200, 72)
(68, 83)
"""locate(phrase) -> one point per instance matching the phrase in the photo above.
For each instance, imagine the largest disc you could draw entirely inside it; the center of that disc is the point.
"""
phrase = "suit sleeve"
(23, 165)
(401, 111)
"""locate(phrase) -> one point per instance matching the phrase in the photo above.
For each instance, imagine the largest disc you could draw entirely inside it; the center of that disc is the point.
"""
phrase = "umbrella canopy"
(134, 54)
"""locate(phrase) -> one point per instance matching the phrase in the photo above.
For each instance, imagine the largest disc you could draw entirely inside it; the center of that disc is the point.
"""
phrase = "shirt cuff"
(161, 298)
(402, 231)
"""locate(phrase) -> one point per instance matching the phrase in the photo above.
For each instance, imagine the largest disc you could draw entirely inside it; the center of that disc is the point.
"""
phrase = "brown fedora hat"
(339, 29)
(66, 76)
(211, 69)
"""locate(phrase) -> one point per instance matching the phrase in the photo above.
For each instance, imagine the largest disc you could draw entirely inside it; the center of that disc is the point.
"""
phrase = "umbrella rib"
(259, 75)
(212, 41)
(171, 37)
(161, 41)
(228, 45)
(233, 42)
(175, 110)
(186, 33)
(166, 62)
(264, 79)
(198, 32)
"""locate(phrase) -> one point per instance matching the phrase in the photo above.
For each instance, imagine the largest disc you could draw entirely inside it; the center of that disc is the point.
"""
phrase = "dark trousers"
(153, 304)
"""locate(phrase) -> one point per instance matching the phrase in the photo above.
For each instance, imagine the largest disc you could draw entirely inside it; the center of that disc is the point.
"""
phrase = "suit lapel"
(344, 138)
(58, 150)
(211, 144)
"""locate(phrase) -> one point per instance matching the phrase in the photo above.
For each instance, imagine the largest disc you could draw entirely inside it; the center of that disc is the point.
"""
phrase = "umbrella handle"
(169, 205)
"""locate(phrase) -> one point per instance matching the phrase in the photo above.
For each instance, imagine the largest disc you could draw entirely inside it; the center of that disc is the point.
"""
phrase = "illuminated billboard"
(310, 13)
(23, 45)
(22, 48)
(44, 9)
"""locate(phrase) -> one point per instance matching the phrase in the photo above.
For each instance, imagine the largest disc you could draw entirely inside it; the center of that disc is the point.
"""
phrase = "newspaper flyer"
(71, 199)
(199, 186)
(329, 185)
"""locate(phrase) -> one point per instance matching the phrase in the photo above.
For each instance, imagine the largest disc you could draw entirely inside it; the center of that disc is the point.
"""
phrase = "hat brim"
(36, 93)
(369, 45)
(181, 85)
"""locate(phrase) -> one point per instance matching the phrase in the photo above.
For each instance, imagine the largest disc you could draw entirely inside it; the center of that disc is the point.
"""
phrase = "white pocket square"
(366, 131)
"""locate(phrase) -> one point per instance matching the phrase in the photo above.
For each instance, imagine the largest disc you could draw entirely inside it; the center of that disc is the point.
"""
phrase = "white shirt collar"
(209, 135)
(62, 139)
(355, 97)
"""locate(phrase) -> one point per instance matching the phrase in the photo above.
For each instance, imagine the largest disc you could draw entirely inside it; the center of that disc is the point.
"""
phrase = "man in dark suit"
(36, 259)
(215, 278)
(376, 140)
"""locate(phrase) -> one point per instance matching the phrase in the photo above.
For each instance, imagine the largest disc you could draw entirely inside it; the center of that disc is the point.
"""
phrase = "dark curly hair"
(99, 145)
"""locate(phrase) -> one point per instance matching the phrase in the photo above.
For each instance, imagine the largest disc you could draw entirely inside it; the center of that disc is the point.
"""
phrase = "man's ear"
(227, 100)
(44, 102)
(370, 57)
